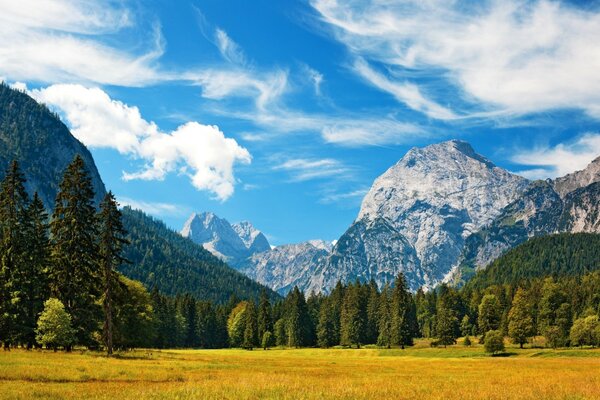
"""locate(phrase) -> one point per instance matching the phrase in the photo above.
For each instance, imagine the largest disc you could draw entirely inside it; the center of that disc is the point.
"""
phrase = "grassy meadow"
(421, 372)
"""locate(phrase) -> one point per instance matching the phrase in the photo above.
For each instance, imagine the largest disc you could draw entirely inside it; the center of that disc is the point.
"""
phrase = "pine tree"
(251, 329)
(13, 224)
(402, 313)
(74, 273)
(264, 320)
(298, 320)
(326, 325)
(34, 280)
(520, 323)
(445, 325)
(372, 313)
(384, 338)
(112, 240)
(465, 326)
(352, 322)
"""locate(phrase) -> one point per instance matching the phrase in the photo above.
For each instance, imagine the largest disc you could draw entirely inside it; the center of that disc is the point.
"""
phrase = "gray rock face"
(417, 216)
(567, 204)
(286, 266)
(231, 243)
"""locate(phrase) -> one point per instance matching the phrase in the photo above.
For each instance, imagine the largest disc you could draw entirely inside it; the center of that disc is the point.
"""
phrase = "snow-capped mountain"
(231, 243)
(567, 204)
(417, 215)
(287, 266)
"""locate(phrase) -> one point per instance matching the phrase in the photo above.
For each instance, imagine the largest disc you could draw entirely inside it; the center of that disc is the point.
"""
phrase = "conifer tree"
(520, 323)
(372, 313)
(445, 325)
(384, 338)
(352, 322)
(298, 320)
(34, 290)
(251, 329)
(74, 273)
(402, 313)
(264, 320)
(112, 240)
(326, 325)
(13, 223)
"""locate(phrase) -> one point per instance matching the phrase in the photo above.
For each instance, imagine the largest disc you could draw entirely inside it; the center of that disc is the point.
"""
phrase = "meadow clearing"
(421, 372)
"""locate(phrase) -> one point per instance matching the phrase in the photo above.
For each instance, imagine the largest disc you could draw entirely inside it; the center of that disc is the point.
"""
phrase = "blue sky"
(284, 112)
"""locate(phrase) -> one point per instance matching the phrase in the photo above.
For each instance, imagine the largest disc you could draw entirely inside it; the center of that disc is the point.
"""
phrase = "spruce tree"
(372, 313)
(264, 320)
(402, 313)
(384, 338)
(112, 240)
(35, 288)
(445, 325)
(251, 329)
(520, 323)
(352, 322)
(298, 320)
(326, 325)
(13, 249)
(74, 273)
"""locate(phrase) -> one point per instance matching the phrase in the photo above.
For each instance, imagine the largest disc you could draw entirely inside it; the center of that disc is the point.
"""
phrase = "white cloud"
(62, 41)
(200, 151)
(228, 48)
(315, 77)
(515, 56)
(306, 169)
(561, 159)
(154, 208)
(344, 196)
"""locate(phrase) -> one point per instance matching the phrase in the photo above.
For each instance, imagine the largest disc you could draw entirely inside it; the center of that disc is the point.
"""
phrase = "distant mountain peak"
(578, 179)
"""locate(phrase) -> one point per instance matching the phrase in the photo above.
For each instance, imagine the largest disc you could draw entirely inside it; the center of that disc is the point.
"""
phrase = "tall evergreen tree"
(326, 326)
(352, 321)
(298, 321)
(371, 331)
(402, 315)
(251, 329)
(265, 322)
(74, 273)
(13, 222)
(112, 240)
(490, 313)
(34, 290)
(384, 338)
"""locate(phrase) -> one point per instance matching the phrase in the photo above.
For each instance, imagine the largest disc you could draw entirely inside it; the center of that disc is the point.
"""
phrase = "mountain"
(231, 243)
(286, 266)
(41, 143)
(417, 216)
(161, 257)
(556, 255)
(567, 204)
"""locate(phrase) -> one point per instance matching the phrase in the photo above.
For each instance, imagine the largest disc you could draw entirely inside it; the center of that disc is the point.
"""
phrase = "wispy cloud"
(561, 159)
(338, 197)
(228, 48)
(202, 152)
(302, 169)
(154, 208)
(513, 56)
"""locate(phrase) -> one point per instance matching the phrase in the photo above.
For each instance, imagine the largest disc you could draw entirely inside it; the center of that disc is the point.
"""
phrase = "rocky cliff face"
(41, 143)
(417, 216)
(287, 266)
(567, 204)
(231, 243)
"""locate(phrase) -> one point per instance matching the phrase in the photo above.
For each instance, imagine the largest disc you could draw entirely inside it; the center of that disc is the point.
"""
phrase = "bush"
(467, 341)
(494, 342)
(554, 337)
(586, 332)
(54, 328)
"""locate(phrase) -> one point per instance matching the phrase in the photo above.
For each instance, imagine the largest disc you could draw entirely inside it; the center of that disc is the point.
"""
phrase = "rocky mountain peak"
(578, 179)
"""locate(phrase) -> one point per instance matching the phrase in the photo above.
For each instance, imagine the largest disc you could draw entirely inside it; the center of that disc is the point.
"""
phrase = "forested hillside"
(558, 255)
(160, 257)
(41, 143)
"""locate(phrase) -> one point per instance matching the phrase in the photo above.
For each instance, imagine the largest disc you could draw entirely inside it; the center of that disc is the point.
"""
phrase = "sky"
(284, 112)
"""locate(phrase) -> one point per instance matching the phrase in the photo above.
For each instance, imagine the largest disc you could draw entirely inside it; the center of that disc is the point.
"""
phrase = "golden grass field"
(417, 373)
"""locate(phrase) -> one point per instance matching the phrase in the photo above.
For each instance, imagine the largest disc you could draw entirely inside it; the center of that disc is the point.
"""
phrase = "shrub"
(494, 342)
(467, 341)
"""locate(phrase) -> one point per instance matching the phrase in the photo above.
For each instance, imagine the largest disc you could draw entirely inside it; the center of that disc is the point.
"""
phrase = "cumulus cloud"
(516, 56)
(561, 159)
(202, 152)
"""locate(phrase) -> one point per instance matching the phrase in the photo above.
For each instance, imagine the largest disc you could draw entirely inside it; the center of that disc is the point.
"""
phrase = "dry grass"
(417, 373)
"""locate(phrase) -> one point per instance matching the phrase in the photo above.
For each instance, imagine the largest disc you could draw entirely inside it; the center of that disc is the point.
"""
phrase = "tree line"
(59, 287)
